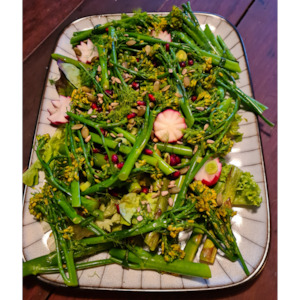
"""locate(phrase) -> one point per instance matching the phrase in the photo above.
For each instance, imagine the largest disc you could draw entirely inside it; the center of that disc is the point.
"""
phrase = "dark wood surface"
(256, 21)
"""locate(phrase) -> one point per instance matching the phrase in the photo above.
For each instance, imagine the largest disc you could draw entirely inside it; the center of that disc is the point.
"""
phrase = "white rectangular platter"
(251, 227)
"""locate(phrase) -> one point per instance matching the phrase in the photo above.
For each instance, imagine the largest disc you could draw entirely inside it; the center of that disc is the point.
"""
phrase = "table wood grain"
(256, 21)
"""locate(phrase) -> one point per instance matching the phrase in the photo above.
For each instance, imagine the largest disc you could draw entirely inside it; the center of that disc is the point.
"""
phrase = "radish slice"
(88, 51)
(162, 35)
(57, 113)
(168, 126)
(210, 172)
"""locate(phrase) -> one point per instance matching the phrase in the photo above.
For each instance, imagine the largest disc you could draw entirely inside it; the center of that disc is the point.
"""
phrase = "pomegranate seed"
(178, 159)
(94, 106)
(175, 175)
(194, 98)
(155, 64)
(114, 158)
(151, 98)
(99, 108)
(103, 131)
(106, 157)
(118, 208)
(135, 85)
(106, 29)
(96, 150)
(144, 190)
(190, 62)
(120, 165)
(130, 116)
(182, 64)
(167, 47)
(141, 103)
(109, 92)
(113, 193)
(174, 160)
(148, 151)
(137, 59)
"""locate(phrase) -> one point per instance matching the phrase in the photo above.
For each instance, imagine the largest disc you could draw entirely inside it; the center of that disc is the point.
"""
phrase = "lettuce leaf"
(50, 149)
(31, 175)
(248, 191)
(239, 186)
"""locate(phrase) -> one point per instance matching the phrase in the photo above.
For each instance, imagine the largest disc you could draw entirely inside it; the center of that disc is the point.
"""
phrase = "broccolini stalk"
(215, 43)
(48, 263)
(229, 55)
(152, 238)
(114, 57)
(162, 164)
(193, 244)
(103, 63)
(196, 163)
(140, 259)
(216, 60)
(48, 172)
(71, 213)
(184, 103)
(89, 170)
(69, 60)
(153, 161)
(138, 146)
(175, 148)
(75, 185)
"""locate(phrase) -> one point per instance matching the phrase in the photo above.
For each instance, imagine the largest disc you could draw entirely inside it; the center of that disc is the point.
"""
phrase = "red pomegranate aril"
(167, 47)
(99, 108)
(175, 175)
(102, 131)
(178, 159)
(151, 98)
(96, 150)
(141, 103)
(148, 151)
(118, 208)
(194, 98)
(144, 190)
(174, 160)
(190, 62)
(182, 64)
(114, 158)
(120, 165)
(137, 60)
(106, 29)
(135, 85)
(109, 92)
(113, 193)
(94, 106)
(130, 116)
(106, 157)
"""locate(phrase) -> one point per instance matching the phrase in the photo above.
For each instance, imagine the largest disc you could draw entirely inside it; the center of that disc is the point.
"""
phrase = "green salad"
(145, 117)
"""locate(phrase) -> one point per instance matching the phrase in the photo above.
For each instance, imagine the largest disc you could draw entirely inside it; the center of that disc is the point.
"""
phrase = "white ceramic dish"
(251, 227)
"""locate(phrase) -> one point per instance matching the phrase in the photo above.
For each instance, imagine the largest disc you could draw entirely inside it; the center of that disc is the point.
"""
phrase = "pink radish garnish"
(210, 172)
(88, 51)
(162, 35)
(58, 113)
(169, 125)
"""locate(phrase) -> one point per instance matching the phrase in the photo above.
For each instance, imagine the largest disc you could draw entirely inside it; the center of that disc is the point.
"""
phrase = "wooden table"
(256, 21)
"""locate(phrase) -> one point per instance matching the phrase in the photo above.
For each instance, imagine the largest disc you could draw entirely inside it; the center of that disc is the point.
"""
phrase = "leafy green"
(31, 176)
(50, 149)
(248, 191)
(239, 186)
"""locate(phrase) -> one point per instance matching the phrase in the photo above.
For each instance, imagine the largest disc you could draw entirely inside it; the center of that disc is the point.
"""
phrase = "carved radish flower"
(162, 35)
(88, 51)
(168, 126)
(58, 113)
